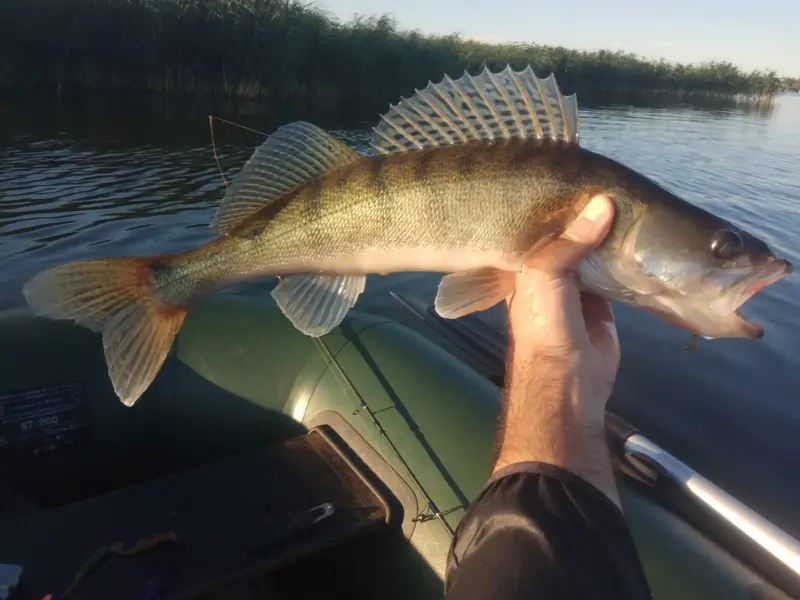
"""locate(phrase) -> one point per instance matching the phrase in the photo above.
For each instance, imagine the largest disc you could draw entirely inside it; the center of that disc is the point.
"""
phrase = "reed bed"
(284, 50)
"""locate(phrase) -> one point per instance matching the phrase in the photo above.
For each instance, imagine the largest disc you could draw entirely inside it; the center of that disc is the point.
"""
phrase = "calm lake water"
(85, 182)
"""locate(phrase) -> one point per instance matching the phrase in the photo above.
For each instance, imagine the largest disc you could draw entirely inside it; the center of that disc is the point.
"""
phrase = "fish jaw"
(662, 259)
(719, 315)
(750, 285)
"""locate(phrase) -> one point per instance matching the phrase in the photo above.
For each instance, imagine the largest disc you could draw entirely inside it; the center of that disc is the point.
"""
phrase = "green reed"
(285, 50)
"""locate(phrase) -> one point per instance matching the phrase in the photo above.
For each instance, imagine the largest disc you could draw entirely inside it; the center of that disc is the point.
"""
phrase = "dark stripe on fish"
(317, 228)
(252, 226)
(343, 175)
(377, 179)
(422, 165)
(466, 163)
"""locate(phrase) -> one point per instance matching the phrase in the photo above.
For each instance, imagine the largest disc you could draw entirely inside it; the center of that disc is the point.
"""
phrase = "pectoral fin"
(316, 304)
(469, 291)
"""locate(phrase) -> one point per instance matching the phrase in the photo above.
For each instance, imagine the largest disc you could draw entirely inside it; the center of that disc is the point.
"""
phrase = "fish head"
(688, 266)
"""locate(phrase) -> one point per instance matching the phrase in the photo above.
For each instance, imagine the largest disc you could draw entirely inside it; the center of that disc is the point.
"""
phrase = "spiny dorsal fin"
(291, 156)
(491, 106)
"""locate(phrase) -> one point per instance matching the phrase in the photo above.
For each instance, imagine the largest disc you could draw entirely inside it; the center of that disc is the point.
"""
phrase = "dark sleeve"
(537, 531)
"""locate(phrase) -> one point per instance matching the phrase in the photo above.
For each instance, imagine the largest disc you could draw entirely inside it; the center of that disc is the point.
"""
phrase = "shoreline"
(286, 51)
(77, 107)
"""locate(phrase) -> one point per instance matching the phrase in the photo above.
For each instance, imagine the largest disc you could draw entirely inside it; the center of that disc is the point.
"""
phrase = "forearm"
(545, 420)
(548, 523)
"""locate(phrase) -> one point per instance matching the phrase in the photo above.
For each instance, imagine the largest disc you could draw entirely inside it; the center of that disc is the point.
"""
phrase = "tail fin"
(114, 296)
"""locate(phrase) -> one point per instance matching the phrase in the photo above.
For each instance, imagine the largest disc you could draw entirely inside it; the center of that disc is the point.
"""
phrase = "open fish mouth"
(715, 311)
(762, 277)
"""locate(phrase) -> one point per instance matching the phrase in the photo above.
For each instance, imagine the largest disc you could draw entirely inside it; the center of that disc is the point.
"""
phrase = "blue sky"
(752, 34)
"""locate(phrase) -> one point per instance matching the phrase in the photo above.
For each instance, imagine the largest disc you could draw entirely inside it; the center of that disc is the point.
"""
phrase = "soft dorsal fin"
(291, 156)
(491, 106)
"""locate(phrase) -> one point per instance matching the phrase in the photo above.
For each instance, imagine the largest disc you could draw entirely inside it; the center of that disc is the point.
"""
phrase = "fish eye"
(726, 244)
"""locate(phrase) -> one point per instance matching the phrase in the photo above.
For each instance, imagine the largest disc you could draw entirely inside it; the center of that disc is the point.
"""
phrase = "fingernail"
(595, 209)
(590, 222)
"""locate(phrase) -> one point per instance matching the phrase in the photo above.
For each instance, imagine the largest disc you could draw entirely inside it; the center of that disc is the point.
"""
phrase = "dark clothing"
(538, 532)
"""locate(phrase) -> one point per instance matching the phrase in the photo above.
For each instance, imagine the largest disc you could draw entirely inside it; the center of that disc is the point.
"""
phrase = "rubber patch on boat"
(41, 420)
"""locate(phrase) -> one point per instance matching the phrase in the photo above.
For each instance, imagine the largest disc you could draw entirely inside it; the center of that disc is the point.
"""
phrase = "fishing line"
(237, 125)
(214, 145)
(361, 406)
(214, 150)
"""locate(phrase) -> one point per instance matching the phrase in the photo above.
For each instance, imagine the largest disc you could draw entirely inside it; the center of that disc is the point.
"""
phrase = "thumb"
(584, 235)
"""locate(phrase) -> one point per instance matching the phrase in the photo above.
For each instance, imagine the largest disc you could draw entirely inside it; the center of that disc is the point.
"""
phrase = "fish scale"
(467, 179)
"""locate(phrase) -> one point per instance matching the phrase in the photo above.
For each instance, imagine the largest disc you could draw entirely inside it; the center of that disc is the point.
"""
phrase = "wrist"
(546, 420)
(558, 385)
(552, 415)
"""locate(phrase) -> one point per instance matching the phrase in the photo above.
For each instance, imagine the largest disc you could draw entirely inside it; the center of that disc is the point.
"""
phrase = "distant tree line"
(282, 49)
(790, 84)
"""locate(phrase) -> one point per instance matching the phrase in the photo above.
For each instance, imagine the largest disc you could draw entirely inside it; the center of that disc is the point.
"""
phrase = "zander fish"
(467, 178)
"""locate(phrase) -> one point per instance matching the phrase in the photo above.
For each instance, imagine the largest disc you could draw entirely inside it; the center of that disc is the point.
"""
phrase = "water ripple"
(729, 409)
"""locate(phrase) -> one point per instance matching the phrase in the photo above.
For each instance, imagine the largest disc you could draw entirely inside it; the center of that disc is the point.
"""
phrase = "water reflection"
(102, 179)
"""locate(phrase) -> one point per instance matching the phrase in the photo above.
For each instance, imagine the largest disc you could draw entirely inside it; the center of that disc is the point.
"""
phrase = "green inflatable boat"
(266, 464)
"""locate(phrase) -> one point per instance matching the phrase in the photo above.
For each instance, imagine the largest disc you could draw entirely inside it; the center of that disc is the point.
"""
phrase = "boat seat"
(201, 533)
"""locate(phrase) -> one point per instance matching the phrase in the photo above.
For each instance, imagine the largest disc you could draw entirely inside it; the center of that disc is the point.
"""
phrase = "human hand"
(554, 324)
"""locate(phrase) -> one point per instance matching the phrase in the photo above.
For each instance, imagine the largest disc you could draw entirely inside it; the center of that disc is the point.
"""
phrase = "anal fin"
(470, 291)
(316, 304)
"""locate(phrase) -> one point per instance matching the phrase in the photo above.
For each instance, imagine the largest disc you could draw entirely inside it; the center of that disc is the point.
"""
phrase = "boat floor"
(240, 527)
